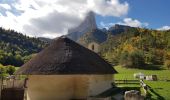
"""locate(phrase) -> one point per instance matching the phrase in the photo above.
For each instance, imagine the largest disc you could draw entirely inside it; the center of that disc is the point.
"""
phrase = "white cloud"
(9, 21)
(164, 28)
(5, 6)
(52, 18)
(108, 7)
(126, 21)
(106, 25)
(133, 23)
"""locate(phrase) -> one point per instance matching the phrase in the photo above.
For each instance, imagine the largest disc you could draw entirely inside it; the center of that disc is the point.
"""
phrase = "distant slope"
(136, 46)
(95, 35)
(47, 40)
(15, 46)
(117, 29)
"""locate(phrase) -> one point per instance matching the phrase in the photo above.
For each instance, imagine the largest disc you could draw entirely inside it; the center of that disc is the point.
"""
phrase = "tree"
(14, 46)
(2, 56)
(124, 59)
(134, 59)
(10, 69)
(137, 59)
(27, 58)
(2, 70)
(167, 64)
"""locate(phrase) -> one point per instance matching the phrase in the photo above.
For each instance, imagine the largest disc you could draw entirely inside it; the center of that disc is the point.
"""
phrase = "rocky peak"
(87, 25)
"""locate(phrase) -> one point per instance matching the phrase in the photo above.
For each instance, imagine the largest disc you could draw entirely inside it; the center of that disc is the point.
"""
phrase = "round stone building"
(66, 70)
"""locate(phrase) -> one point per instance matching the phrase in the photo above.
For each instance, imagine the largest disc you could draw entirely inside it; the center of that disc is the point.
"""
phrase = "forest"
(133, 48)
(137, 48)
(16, 48)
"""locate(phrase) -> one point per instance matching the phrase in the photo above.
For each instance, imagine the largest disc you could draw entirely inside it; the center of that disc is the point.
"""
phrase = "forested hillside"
(16, 48)
(137, 47)
(132, 47)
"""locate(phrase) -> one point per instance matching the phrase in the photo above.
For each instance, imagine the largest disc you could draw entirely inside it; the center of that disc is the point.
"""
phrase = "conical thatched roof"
(65, 56)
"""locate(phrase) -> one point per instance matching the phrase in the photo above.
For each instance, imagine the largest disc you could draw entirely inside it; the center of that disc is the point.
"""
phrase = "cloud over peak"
(108, 7)
(54, 17)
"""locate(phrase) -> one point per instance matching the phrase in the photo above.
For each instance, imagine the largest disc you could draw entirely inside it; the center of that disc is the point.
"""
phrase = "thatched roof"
(64, 56)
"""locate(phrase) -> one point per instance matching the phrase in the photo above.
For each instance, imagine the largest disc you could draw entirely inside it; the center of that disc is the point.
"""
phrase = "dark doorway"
(12, 94)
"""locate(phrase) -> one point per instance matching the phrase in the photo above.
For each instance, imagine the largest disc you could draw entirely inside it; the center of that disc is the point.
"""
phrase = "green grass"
(160, 90)
(16, 68)
(124, 73)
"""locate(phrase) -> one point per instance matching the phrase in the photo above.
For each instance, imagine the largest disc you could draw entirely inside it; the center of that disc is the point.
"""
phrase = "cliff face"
(96, 35)
(87, 25)
(117, 29)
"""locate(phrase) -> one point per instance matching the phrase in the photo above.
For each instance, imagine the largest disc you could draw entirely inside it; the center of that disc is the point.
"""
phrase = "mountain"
(117, 29)
(95, 35)
(15, 47)
(88, 30)
(101, 35)
(130, 46)
(47, 40)
(104, 30)
(87, 25)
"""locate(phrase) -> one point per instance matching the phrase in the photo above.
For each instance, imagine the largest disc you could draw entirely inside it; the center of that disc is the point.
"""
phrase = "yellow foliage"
(167, 64)
(141, 30)
(129, 48)
(167, 55)
(136, 39)
(153, 33)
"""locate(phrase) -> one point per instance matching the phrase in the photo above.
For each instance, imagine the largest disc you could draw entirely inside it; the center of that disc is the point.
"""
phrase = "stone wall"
(65, 87)
(133, 95)
(49, 87)
(98, 84)
(94, 47)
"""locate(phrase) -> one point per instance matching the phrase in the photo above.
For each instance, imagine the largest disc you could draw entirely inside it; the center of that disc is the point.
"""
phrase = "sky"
(153, 14)
(52, 18)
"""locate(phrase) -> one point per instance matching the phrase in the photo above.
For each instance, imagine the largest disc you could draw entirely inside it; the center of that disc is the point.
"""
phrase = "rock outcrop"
(87, 25)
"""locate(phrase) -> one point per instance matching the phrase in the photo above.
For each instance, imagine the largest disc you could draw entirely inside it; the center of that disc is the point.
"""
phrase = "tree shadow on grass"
(151, 67)
(159, 97)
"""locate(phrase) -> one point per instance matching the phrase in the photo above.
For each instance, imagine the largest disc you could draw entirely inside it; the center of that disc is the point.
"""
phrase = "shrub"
(2, 70)
(137, 59)
(167, 64)
(124, 59)
(134, 59)
(10, 69)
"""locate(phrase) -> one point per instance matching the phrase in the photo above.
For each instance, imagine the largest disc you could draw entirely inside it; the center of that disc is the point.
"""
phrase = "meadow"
(159, 90)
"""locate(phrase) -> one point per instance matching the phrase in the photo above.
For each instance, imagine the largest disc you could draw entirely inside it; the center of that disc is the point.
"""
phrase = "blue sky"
(52, 18)
(154, 12)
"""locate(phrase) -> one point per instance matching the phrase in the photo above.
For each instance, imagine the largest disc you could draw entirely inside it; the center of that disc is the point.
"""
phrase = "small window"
(92, 47)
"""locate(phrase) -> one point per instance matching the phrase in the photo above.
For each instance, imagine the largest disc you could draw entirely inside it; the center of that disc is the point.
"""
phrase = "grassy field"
(16, 68)
(160, 90)
(124, 73)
